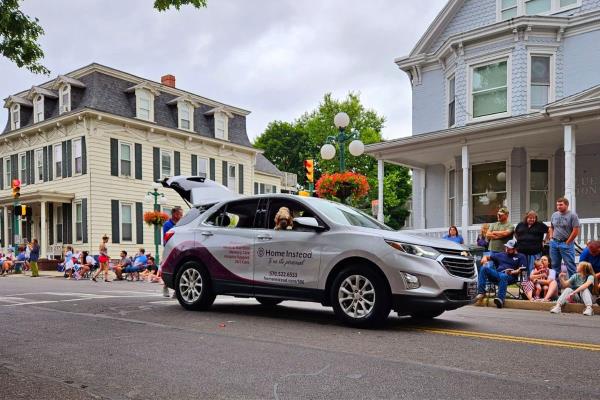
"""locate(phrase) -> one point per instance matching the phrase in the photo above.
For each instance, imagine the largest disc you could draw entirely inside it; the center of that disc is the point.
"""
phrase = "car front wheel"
(360, 297)
(193, 287)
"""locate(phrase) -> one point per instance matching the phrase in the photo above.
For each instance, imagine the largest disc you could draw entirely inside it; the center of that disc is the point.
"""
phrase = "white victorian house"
(506, 112)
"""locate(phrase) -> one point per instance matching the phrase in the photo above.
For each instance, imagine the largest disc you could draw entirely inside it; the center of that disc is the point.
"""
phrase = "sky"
(275, 58)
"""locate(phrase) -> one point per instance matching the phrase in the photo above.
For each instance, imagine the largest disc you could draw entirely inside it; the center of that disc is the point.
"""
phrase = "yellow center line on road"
(508, 338)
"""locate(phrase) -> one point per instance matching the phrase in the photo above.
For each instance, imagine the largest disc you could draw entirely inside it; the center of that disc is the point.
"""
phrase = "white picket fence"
(589, 230)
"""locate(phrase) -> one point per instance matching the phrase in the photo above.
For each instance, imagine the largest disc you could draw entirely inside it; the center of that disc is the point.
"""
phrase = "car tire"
(193, 287)
(427, 314)
(268, 301)
(360, 297)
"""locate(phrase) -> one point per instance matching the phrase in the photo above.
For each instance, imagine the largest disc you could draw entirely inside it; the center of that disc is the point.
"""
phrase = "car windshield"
(345, 215)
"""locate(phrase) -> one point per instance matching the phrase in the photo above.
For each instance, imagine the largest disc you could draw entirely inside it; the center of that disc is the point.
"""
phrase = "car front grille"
(463, 267)
(451, 252)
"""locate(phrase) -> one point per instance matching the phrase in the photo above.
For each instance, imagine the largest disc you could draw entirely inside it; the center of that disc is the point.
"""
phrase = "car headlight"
(415, 249)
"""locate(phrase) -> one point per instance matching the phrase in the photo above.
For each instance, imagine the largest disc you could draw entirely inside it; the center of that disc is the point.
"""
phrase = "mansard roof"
(264, 165)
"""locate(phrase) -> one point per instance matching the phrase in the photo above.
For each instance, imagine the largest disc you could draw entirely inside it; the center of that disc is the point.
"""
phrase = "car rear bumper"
(447, 300)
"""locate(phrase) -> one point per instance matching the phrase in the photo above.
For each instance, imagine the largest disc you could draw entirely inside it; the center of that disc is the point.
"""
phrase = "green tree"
(19, 33)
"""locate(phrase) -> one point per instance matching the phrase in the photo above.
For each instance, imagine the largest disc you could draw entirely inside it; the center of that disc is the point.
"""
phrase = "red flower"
(342, 185)
(155, 217)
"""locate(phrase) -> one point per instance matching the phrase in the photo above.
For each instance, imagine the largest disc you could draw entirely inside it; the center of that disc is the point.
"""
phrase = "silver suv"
(328, 253)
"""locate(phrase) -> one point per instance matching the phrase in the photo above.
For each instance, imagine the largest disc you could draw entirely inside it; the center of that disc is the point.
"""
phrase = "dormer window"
(15, 116)
(64, 97)
(221, 123)
(185, 113)
(38, 108)
(144, 104)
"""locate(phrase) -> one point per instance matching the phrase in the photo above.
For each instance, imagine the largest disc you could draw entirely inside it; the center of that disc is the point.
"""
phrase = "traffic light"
(23, 210)
(16, 188)
(309, 166)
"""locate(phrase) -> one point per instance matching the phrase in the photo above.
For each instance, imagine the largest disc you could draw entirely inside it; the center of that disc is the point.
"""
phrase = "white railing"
(589, 230)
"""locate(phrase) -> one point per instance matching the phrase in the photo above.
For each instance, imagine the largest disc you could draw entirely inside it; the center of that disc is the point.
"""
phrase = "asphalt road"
(121, 340)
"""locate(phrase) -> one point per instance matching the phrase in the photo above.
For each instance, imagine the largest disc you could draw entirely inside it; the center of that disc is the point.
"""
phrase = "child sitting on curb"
(577, 288)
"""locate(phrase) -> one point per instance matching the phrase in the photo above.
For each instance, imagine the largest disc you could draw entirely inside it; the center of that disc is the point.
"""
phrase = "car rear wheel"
(268, 301)
(427, 314)
(360, 297)
(193, 287)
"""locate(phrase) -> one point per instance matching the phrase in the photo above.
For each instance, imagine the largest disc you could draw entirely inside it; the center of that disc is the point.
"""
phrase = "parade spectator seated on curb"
(481, 238)
(578, 288)
(564, 228)
(501, 268)
(500, 232)
(123, 263)
(7, 261)
(541, 285)
(454, 236)
(139, 263)
(530, 234)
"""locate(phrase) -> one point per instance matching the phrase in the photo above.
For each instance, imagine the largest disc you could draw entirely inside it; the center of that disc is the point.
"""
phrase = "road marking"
(82, 296)
(515, 339)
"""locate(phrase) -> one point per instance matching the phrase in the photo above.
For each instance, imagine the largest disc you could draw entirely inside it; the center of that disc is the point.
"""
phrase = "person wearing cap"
(564, 228)
(501, 268)
(591, 254)
(500, 232)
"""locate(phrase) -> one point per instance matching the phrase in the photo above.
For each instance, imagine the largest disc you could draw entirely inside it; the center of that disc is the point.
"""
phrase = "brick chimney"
(168, 80)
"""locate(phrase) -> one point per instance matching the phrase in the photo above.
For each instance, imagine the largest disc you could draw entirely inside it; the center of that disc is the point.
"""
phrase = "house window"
(567, 3)
(202, 167)
(59, 224)
(508, 9)
(451, 101)
(452, 197)
(39, 165)
(165, 164)
(185, 113)
(10, 238)
(125, 159)
(145, 105)
(7, 172)
(535, 7)
(488, 188)
(540, 85)
(64, 97)
(220, 126)
(15, 116)
(23, 168)
(538, 188)
(490, 89)
(231, 177)
(58, 160)
(38, 109)
(126, 223)
(78, 222)
(77, 158)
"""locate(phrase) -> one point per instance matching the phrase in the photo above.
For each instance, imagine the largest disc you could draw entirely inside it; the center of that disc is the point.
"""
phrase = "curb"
(539, 306)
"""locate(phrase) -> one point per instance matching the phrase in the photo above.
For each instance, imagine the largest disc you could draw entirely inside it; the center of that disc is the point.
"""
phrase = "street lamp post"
(159, 198)
(356, 147)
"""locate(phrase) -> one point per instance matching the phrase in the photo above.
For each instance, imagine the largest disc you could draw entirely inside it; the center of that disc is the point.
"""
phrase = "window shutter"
(45, 163)
(138, 161)
(262, 188)
(255, 187)
(177, 162)
(156, 162)
(2, 181)
(64, 162)
(114, 213)
(28, 167)
(194, 165)
(84, 216)
(14, 167)
(274, 189)
(83, 157)
(241, 178)
(139, 222)
(114, 157)
(224, 173)
(50, 162)
(212, 169)
(69, 158)
(2, 242)
(50, 224)
(32, 166)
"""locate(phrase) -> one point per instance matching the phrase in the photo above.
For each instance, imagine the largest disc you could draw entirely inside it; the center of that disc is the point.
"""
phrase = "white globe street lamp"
(356, 148)
(341, 120)
(327, 151)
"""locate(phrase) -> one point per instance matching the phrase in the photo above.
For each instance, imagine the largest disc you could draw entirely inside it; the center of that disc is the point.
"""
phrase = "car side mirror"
(309, 222)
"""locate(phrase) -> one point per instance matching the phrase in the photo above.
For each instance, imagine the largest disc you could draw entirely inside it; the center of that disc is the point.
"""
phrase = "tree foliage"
(19, 33)
(287, 144)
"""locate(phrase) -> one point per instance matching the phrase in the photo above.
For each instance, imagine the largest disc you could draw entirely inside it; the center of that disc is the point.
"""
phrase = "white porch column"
(570, 150)
(44, 230)
(380, 190)
(465, 193)
(6, 222)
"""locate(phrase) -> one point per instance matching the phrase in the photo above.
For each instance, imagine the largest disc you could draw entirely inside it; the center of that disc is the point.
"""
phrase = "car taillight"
(168, 235)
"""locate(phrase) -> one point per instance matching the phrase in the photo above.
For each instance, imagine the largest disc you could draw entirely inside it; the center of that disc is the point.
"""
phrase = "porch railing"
(589, 230)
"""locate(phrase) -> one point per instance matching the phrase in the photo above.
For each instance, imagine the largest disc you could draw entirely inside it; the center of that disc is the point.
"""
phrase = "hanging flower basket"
(341, 186)
(155, 217)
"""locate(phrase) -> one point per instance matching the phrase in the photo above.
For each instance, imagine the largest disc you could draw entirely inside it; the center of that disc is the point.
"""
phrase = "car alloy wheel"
(356, 296)
(190, 285)
(193, 287)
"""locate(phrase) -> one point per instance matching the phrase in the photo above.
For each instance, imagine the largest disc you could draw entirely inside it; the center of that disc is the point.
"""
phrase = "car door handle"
(207, 234)
(264, 237)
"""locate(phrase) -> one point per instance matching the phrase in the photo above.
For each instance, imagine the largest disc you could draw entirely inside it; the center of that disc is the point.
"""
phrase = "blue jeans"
(530, 261)
(488, 273)
(560, 251)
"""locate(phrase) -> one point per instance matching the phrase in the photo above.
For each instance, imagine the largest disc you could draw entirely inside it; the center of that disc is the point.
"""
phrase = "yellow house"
(88, 145)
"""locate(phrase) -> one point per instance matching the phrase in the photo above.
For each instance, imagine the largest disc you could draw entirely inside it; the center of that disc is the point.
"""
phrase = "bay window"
(508, 9)
(535, 7)
(488, 190)
(489, 89)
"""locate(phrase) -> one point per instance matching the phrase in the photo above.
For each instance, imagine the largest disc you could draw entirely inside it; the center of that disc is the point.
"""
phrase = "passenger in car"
(283, 219)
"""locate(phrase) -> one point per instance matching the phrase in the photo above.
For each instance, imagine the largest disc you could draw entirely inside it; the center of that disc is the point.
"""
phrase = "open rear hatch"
(198, 191)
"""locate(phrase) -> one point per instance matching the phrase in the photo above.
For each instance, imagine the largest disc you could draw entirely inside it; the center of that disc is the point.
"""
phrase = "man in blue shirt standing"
(501, 268)
(176, 214)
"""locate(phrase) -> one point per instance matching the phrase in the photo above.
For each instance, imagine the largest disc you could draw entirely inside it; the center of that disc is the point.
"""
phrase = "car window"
(192, 214)
(296, 210)
(237, 214)
(345, 215)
